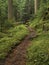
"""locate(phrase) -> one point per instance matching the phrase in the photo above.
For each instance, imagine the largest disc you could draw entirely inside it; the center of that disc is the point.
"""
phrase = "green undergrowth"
(38, 51)
(40, 25)
(11, 38)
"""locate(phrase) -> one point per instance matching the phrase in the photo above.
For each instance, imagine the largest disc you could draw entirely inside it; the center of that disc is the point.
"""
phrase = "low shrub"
(38, 52)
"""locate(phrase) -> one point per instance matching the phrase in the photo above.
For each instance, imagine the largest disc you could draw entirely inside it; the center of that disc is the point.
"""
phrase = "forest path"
(18, 55)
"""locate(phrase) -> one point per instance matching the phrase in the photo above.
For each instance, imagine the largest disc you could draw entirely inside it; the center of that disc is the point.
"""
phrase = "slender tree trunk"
(35, 6)
(10, 9)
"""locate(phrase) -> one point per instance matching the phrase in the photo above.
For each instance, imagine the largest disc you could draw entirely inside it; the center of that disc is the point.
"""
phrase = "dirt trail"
(18, 55)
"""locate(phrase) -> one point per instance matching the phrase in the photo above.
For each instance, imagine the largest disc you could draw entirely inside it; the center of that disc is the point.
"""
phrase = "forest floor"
(18, 55)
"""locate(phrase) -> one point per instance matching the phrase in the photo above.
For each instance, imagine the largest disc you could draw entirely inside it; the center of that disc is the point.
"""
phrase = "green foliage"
(4, 26)
(11, 38)
(3, 10)
(38, 52)
(20, 8)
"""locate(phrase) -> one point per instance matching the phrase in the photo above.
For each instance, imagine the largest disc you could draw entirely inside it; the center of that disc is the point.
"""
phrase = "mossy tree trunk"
(10, 9)
(35, 6)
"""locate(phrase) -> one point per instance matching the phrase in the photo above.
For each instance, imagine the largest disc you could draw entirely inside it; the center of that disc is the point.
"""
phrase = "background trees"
(21, 10)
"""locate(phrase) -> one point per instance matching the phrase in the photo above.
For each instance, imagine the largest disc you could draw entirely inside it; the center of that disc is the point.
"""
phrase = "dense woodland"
(16, 16)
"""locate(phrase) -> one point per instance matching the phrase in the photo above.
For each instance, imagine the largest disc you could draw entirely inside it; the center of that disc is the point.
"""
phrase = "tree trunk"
(10, 9)
(35, 6)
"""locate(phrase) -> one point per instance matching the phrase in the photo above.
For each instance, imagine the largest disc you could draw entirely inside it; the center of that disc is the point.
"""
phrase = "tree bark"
(35, 6)
(10, 9)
